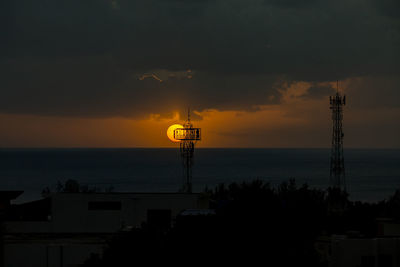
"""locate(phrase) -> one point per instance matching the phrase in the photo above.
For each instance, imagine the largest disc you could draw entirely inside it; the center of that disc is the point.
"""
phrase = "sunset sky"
(256, 73)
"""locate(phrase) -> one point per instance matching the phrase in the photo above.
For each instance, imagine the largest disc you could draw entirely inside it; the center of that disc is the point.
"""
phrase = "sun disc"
(170, 132)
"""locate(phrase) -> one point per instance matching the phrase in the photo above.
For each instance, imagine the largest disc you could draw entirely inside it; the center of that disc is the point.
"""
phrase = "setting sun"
(170, 132)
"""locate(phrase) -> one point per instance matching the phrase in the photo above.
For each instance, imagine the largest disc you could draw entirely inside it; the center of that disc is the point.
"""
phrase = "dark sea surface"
(371, 174)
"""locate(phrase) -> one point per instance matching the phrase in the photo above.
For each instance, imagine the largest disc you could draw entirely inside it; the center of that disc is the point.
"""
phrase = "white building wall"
(41, 254)
(70, 213)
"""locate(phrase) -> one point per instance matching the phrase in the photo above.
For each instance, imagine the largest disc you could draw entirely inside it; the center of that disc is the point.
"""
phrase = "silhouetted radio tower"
(337, 174)
(188, 136)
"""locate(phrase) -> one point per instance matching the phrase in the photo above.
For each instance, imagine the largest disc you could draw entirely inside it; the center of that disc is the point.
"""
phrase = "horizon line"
(168, 147)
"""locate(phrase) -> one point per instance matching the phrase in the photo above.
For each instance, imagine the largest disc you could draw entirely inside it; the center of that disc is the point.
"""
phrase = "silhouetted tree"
(73, 186)
(393, 205)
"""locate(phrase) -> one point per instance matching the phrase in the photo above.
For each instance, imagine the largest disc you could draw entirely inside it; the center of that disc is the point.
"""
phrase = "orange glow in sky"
(295, 122)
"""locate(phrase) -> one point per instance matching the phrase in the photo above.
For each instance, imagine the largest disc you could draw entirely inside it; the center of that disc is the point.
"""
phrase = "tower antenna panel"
(187, 134)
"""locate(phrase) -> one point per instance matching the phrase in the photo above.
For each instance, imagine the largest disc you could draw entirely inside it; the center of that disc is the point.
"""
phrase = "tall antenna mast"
(337, 170)
(187, 136)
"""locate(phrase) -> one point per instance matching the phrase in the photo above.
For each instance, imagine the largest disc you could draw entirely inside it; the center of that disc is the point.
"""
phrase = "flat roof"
(8, 195)
(125, 193)
(57, 238)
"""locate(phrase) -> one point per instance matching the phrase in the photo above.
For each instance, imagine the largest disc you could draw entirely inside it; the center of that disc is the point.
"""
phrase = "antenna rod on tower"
(337, 86)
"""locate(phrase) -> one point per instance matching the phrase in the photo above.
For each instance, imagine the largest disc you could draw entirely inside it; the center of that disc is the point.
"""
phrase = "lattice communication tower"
(187, 136)
(337, 172)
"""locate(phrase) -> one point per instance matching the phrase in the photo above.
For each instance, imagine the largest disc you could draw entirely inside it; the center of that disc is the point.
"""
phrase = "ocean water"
(371, 174)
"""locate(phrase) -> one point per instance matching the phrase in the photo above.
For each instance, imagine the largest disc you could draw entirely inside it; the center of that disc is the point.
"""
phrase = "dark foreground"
(254, 223)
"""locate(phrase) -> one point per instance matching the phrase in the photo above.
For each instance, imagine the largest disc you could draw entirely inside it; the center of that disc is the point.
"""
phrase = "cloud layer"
(85, 58)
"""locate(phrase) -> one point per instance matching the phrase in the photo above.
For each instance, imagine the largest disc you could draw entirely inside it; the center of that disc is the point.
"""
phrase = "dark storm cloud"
(388, 7)
(374, 92)
(83, 58)
(319, 91)
(104, 89)
(291, 3)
